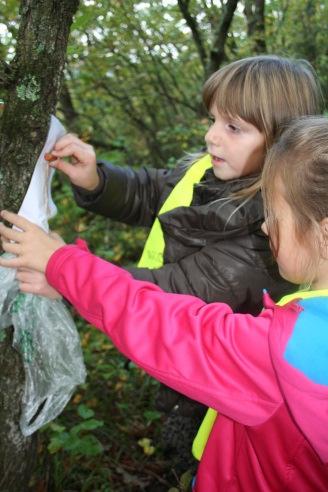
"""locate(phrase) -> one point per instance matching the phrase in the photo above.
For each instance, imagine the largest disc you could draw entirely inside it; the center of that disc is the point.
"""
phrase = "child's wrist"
(92, 186)
(49, 252)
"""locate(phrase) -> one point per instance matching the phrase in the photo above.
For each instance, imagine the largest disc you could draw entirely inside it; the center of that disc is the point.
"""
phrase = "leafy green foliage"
(77, 440)
(137, 61)
(108, 437)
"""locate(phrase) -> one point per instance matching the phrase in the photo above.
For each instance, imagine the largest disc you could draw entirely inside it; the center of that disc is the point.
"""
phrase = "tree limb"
(196, 34)
(254, 13)
(217, 53)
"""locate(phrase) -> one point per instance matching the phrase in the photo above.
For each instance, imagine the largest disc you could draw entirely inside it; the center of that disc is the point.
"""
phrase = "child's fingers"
(79, 150)
(39, 289)
(10, 262)
(27, 287)
(17, 220)
(12, 248)
(34, 282)
(9, 233)
(65, 167)
(71, 149)
(83, 153)
(27, 276)
(66, 140)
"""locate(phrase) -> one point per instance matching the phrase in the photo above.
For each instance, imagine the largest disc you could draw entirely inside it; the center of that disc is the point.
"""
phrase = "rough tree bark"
(32, 82)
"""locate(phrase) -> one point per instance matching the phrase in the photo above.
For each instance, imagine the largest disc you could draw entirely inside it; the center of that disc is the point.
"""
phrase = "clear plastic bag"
(47, 339)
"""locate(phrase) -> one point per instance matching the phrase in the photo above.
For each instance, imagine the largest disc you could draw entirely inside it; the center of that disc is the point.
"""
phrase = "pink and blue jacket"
(267, 376)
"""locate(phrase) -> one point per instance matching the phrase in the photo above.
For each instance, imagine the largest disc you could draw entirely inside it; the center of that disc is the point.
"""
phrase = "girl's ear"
(324, 238)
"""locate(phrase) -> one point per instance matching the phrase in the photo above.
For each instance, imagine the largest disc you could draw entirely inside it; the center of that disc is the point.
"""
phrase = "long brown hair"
(298, 161)
(266, 91)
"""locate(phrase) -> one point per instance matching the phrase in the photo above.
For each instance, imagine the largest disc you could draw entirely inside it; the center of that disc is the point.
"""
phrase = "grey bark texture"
(32, 84)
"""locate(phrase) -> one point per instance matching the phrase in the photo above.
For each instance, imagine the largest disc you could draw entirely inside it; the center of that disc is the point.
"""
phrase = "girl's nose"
(213, 135)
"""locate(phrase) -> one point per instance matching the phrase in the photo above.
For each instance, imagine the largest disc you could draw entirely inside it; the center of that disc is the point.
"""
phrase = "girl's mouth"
(216, 161)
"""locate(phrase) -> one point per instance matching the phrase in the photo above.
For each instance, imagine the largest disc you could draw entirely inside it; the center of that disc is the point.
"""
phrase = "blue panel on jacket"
(307, 348)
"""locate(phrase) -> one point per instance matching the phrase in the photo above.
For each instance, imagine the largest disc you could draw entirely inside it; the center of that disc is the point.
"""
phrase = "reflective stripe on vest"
(181, 196)
(206, 426)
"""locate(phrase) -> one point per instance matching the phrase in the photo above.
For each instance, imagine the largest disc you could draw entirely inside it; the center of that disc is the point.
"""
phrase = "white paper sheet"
(37, 205)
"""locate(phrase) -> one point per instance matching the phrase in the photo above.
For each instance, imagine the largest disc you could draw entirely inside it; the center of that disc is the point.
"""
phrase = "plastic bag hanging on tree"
(44, 332)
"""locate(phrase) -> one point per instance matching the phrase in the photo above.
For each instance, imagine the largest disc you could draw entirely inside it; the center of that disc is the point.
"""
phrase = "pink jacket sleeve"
(202, 350)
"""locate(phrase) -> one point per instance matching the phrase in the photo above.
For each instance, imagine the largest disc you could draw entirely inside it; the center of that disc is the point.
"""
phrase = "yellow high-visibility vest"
(206, 426)
(181, 196)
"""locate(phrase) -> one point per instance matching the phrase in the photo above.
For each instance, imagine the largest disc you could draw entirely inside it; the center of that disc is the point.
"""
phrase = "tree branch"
(217, 53)
(254, 13)
(196, 34)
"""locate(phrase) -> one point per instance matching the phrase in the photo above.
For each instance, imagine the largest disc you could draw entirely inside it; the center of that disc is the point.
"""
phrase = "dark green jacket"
(210, 252)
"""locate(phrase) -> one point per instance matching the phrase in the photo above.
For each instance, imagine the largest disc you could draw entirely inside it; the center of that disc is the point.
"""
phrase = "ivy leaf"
(87, 425)
(85, 412)
(58, 442)
(86, 446)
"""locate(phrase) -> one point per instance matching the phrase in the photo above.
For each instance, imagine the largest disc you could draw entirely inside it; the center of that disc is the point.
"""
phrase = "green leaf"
(86, 446)
(152, 415)
(85, 412)
(185, 480)
(87, 425)
(58, 442)
(57, 427)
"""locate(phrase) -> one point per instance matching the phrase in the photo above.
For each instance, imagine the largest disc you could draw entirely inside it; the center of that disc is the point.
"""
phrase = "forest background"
(132, 89)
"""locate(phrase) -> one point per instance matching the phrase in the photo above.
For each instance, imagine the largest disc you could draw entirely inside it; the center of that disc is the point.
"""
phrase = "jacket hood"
(299, 347)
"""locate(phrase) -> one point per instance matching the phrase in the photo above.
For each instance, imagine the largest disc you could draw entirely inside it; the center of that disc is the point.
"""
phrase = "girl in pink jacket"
(266, 375)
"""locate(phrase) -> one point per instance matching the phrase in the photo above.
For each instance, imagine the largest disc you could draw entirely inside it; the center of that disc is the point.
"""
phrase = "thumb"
(64, 167)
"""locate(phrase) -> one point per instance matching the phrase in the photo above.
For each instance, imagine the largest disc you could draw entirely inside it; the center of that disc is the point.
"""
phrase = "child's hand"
(82, 170)
(32, 246)
(35, 282)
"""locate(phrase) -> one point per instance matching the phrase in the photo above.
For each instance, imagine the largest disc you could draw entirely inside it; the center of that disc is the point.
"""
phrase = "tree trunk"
(217, 53)
(254, 13)
(32, 83)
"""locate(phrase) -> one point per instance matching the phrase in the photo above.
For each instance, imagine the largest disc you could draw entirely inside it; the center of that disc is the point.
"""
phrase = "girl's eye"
(233, 128)
(211, 120)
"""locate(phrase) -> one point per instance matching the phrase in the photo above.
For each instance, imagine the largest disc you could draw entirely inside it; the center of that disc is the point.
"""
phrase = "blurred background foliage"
(132, 89)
